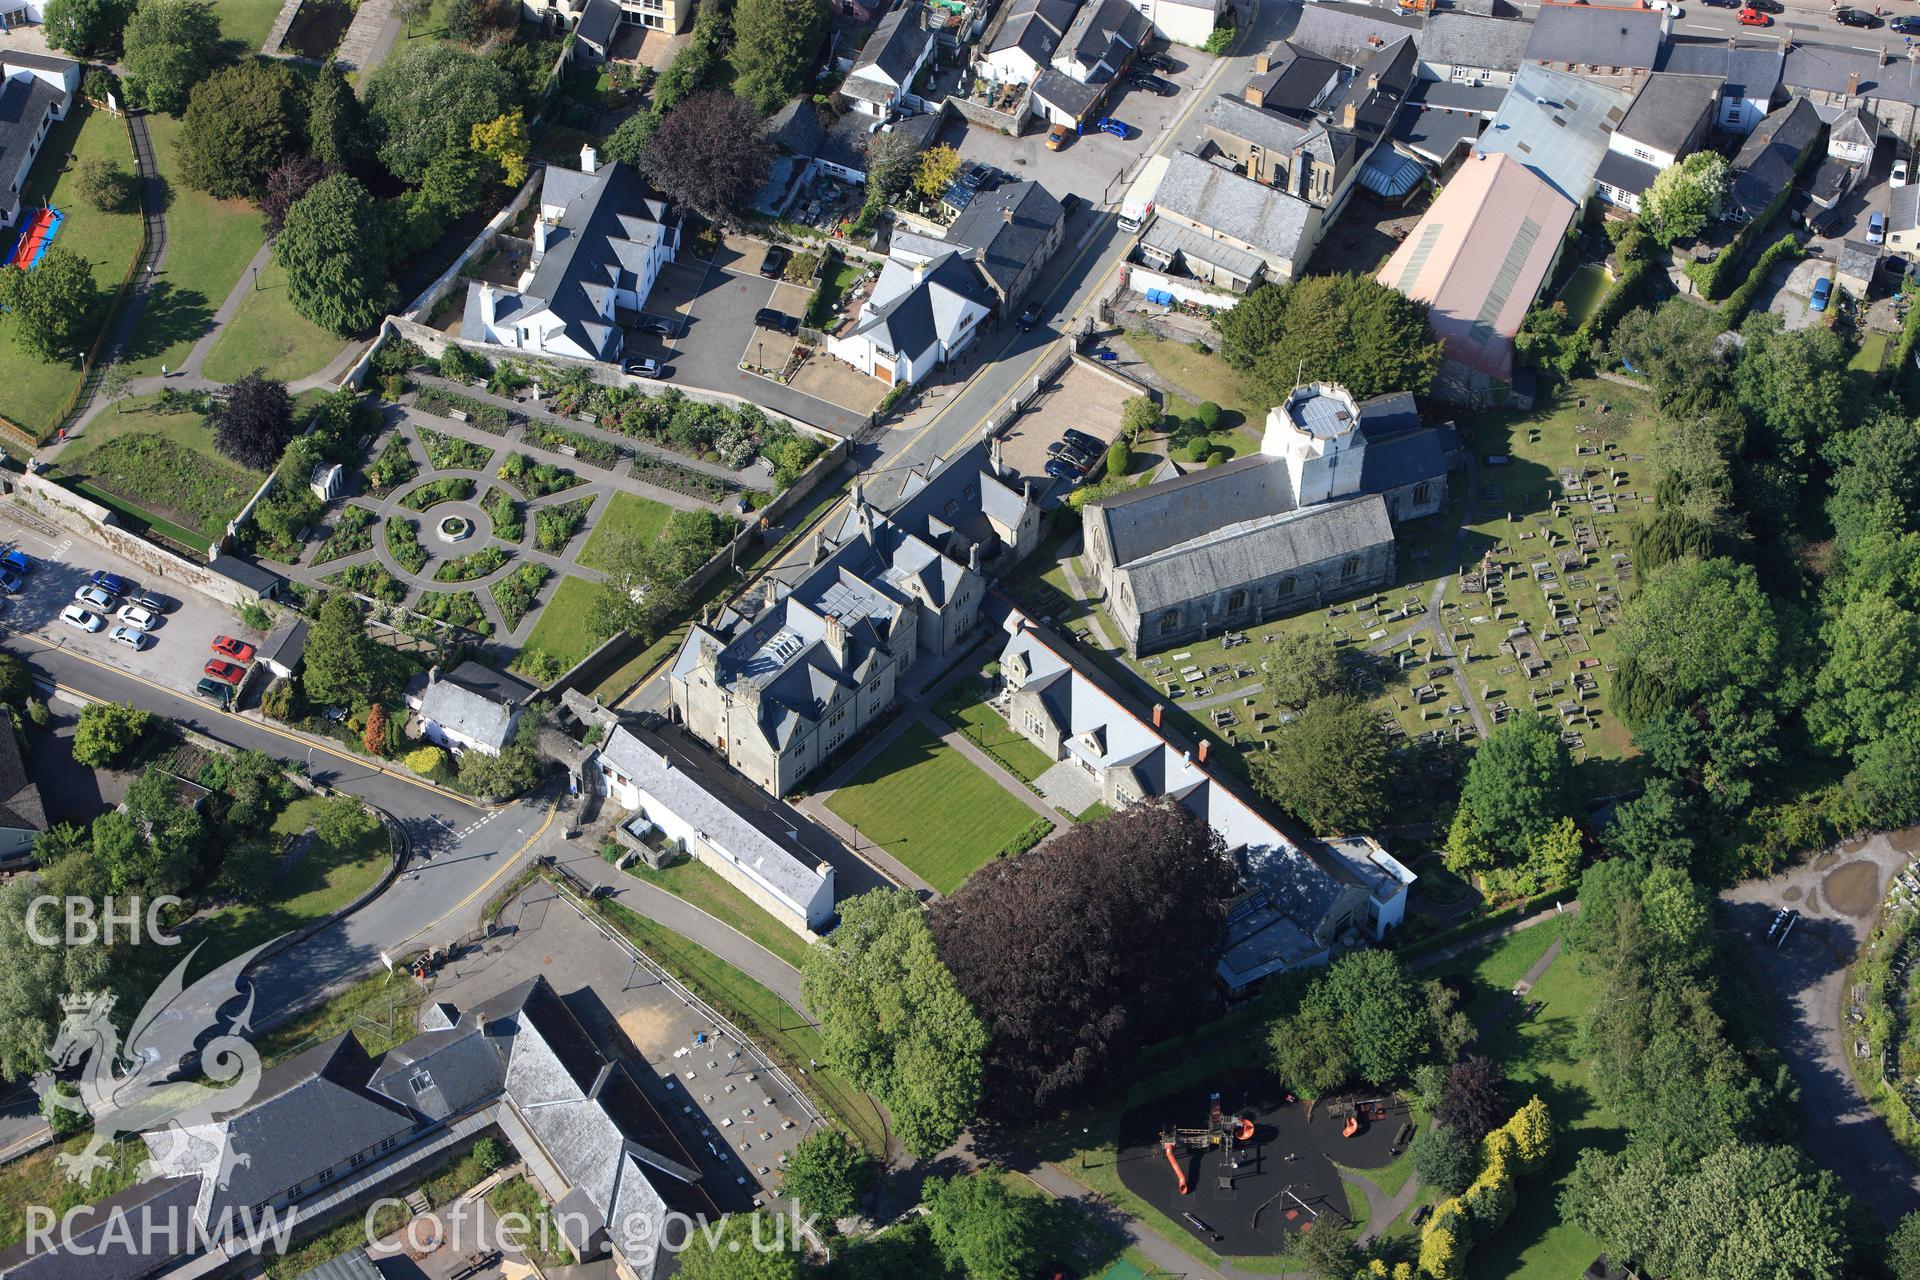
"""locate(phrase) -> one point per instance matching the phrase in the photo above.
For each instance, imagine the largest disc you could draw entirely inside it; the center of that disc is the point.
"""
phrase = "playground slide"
(1178, 1172)
(34, 239)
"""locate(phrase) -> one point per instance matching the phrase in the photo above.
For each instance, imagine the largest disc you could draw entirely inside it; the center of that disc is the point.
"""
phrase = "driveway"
(181, 641)
(1837, 895)
(1791, 298)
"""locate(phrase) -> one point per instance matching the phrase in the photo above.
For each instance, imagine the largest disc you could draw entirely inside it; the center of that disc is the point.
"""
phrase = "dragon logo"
(139, 1087)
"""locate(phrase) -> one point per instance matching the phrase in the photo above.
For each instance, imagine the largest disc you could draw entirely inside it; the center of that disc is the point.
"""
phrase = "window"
(1350, 568)
(1236, 601)
(1286, 587)
(1421, 492)
(1169, 622)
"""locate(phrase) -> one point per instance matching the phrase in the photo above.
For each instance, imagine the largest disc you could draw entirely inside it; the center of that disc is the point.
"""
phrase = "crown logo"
(88, 1002)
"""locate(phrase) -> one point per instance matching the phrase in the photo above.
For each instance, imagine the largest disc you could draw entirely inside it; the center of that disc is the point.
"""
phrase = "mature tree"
(290, 180)
(237, 128)
(35, 977)
(254, 422)
(1366, 1018)
(16, 684)
(1349, 329)
(709, 155)
(453, 184)
(1518, 786)
(503, 140)
(628, 144)
(1653, 829)
(826, 1174)
(1446, 1158)
(480, 21)
(1474, 1101)
(341, 820)
(749, 1246)
(107, 732)
(1685, 197)
(255, 789)
(103, 184)
(171, 45)
(1140, 414)
(1329, 1252)
(87, 28)
(1331, 767)
(1677, 348)
(773, 44)
(645, 582)
(334, 248)
(982, 1229)
(514, 770)
(1309, 1049)
(1871, 678)
(701, 63)
(1675, 908)
(1903, 1248)
(336, 126)
(1064, 1015)
(1886, 779)
(1300, 666)
(891, 160)
(53, 305)
(937, 169)
(892, 1017)
(1875, 501)
(427, 98)
(1794, 383)
(340, 658)
(1695, 626)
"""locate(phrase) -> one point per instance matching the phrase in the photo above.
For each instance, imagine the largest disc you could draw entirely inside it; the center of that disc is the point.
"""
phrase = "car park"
(1151, 83)
(85, 619)
(659, 324)
(132, 637)
(1822, 292)
(1062, 449)
(225, 672)
(17, 561)
(213, 690)
(154, 602)
(1751, 17)
(775, 261)
(1876, 227)
(228, 647)
(1118, 128)
(111, 582)
(95, 596)
(1848, 17)
(1058, 137)
(139, 619)
(976, 177)
(644, 368)
(1157, 61)
(1091, 444)
(11, 584)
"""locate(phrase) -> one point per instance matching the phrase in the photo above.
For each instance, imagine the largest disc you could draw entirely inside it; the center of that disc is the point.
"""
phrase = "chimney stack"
(589, 159)
(486, 303)
(1253, 96)
(1202, 757)
(836, 638)
(770, 590)
(1853, 84)
(973, 557)
(1158, 712)
(1262, 64)
(994, 463)
(1349, 114)
(1006, 214)
(539, 239)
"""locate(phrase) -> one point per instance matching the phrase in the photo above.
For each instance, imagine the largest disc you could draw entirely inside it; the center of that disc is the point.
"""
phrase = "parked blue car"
(1118, 128)
(18, 561)
(111, 583)
(1822, 291)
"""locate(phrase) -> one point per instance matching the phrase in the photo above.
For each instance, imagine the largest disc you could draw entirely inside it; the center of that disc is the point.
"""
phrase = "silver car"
(74, 616)
(130, 637)
(97, 597)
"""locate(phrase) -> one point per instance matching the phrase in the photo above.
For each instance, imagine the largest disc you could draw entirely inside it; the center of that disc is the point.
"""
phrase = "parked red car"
(224, 671)
(1754, 18)
(238, 650)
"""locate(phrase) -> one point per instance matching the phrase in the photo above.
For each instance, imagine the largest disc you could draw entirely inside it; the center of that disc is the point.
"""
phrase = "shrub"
(403, 540)
(425, 760)
(462, 365)
(104, 185)
(1207, 414)
(1119, 457)
(1742, 298)
(1198, 448)
(490, 1154)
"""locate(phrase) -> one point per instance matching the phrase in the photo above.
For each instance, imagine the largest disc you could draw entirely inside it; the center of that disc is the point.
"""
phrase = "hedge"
(1519, 1149)
(1633, 281)
(1742, 298)
(1715, 277)
(1903, 350)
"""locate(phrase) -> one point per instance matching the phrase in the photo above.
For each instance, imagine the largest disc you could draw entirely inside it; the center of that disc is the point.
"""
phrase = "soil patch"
(1854, 889)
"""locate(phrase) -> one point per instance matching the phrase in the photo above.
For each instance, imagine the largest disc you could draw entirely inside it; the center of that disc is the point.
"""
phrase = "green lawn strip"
(1207, 377)
(626, 516)
(453, 453)
(477, 564)
(209, 243)
(246, 22)
(435, 492)
(349, 1236)
(965, 708)
(35, 392)
(540, 1237)
(565, 629)
(457, 608)
(267, 333)
(786, 1036)
(1540, 1055)
(141, 516)
(35, 1179)
(162, 466)
(927, 805)
(1492, 970)
(403, 540)
(352, 532)
(1872, 352)
(325, 878)
(704, 888)
(369, 579)
(555, 526)
(515, 593)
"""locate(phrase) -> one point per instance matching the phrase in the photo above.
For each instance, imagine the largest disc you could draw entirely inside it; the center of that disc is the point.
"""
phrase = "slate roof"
(1903, 208)
(441, 1073)
(1296, 80)
(1034, 26)
(1749, 71)
(473, 701)
(1667, 109)
(1062, 92)
(1378, 87)
(286, 644)
(796, 128)
(1765, 165)
(124, 1236)
(1435, 130)
(1006, 245)
(1141, 522)
(1853, 72)
(598, 21)
(24, 102)
(348, 1266)
(1596, 36)
(1858, 259)
(20, 805)
(1267, 129)
(1171, 238)
(1228, 557)
(1462, 39)
(1855, 127)
(1558, 125)
(1271, 221)
(1625, 173)
(1350, 33)
(909, 310)
(263, 582)
(1103, 31)
(896, 45)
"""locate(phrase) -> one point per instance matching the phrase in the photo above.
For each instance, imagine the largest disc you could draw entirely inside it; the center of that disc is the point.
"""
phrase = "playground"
(1243, 1166)
(36, 236)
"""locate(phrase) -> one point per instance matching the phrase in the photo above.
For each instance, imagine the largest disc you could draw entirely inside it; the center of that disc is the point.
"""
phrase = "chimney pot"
(1158, 712)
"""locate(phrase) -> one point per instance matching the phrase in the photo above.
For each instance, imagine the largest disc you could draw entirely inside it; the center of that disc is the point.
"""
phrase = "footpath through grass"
(927, 805)
(35, 392)
(565, 627)
(702, 886)
(267, 333)
(209, 243)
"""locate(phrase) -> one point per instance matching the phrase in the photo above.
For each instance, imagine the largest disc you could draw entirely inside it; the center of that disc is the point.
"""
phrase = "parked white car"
(141, 619)
(1899, 175)
(84, 619)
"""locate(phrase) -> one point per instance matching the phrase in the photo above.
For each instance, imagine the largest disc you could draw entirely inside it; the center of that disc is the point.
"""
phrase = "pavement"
(1838, 895)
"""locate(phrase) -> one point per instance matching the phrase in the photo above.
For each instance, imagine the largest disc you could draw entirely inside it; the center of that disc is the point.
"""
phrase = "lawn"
(1243, 407)
(378, 1010)
(541, 1241)
(325, 878)
(565, 628)
(34, 393)
(625, 516)
(1583, 291)
(246, 22)
(1541, 1056)
(1490, 971)
(1872, 353)
(966, 709)
(164, 466)
(209, 243)
(927, 805)
(704, 888)
(266, 332)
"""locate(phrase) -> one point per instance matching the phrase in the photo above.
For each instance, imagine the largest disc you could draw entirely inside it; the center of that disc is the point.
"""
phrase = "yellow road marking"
(552, 809)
